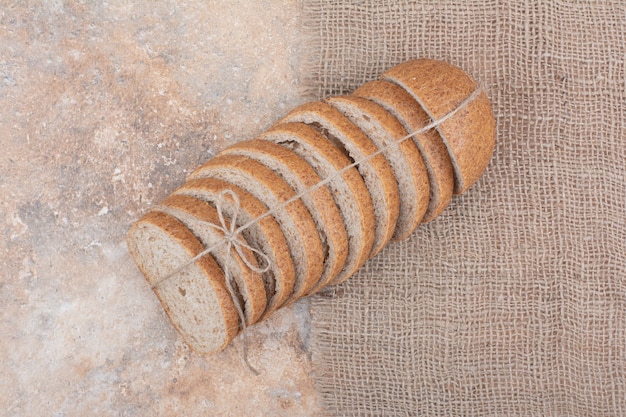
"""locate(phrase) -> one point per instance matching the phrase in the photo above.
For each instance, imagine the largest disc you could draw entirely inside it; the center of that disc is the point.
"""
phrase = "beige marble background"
(104, 109)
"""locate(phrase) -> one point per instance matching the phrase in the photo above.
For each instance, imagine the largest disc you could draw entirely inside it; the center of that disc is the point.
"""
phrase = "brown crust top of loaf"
(310, 136)
(412, 210)
(188, 241)
(297, 211)
(367, 147)
(254, 288)
(410, 113)
(332, 224)
(270, 228)
(470, 134)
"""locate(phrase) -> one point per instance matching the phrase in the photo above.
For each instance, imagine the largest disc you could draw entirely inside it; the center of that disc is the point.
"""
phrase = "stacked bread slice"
(305, 204)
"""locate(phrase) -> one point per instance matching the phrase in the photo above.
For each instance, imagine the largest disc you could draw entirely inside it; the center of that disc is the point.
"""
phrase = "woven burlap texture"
(513, 302)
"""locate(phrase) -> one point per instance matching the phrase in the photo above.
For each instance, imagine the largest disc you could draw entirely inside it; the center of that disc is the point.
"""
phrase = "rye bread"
(195, 299)
(469, 134)
(264, 235)
(376, 172)
(434, 152)
(301, 177)
(348, 189)
(403, 157)
(294, 219)
(247, 284)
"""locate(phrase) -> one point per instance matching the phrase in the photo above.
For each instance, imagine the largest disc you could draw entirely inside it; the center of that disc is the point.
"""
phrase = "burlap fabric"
(513, 302)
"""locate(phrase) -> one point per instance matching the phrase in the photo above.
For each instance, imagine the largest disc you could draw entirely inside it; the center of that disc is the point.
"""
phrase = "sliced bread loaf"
(403, 157)
(376, 172)
(195, 298)
(294, 219)
(469, 134)
(247, 284)
(408, 112)
(301, 177)
(264, 235)
(348, 189)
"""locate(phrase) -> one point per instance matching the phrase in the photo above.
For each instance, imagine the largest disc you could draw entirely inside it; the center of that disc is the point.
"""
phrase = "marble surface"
(105, 108)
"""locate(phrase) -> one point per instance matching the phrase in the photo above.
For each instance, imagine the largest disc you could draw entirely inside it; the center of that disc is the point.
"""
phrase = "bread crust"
(407, 111)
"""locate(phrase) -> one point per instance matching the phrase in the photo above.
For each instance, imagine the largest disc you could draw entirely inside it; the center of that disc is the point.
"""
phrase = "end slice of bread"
(403, 107)
(376, 172)
(469, 134)
(348, 189)
(195, 299)
(247, 284)
(301, 177)
(264, 235)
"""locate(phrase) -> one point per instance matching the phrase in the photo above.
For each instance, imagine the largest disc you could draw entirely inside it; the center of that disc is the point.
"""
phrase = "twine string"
(231, 231)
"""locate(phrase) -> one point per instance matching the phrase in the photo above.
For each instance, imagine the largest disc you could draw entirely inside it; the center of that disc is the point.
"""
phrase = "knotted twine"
(231, 232)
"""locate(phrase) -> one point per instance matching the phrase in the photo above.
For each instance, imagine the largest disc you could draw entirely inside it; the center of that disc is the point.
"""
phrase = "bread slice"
(376, 172)
(469, 134)
(403, 157)
(294, 219)
(247, 284)
(403, 107)
(195, 298)
(301, 177)
(264, 235)
(348, 189)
